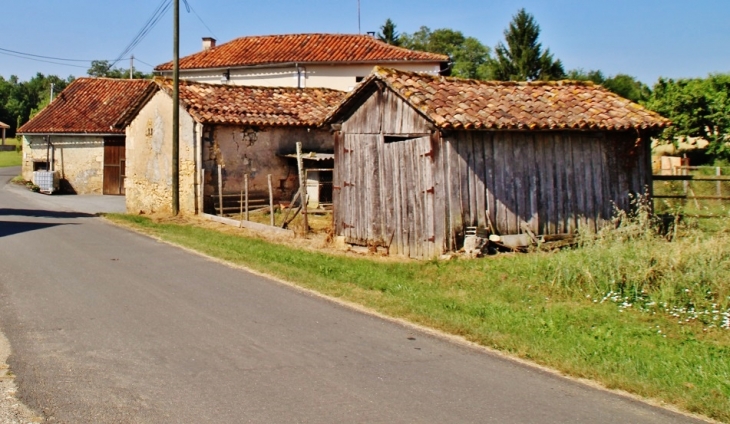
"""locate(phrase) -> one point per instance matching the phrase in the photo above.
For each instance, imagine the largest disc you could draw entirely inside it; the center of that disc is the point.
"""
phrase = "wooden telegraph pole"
(176, 111)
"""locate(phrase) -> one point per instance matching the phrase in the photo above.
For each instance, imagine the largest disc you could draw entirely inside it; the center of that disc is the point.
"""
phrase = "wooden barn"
(419, 159)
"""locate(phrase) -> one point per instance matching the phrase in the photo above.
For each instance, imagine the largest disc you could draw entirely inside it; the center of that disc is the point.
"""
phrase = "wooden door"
(408, 189)
(114, 164)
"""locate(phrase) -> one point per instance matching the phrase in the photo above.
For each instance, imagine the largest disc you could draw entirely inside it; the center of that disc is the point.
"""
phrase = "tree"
(388, 33)
(624, 85)
(628, 87)
(102, 68)
(468, 55)
(19, 99)
(522, 59)
(595, 76)
(697, 107)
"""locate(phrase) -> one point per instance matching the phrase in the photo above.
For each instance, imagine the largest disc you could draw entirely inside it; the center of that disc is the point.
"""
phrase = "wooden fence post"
(271, 200)
(240, 210)
(718, 173)
(220, 190)
(245, 187)
(201, 194)
(302, 187)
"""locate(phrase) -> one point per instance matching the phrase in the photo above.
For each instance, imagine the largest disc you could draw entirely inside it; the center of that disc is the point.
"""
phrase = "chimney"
(208, 43)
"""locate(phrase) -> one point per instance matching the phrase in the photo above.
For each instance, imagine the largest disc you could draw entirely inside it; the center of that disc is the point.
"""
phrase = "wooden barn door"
(408, 189)
(360, 210)
(114, 164)
(386, 193)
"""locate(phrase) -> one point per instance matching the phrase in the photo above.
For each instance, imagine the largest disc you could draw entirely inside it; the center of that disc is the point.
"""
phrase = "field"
(631, 308)
(12, 158)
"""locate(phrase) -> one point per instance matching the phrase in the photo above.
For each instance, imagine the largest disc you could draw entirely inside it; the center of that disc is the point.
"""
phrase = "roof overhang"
(77, 134)
(304, 64)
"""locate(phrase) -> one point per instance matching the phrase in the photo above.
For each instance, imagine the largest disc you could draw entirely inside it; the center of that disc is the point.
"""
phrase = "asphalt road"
(108, 326)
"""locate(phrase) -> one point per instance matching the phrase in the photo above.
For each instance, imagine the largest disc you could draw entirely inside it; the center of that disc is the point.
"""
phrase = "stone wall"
(257, 152)
(79, 160)
(149, 160)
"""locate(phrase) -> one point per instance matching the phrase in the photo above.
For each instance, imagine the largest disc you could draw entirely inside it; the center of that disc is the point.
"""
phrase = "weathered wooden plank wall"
(555, 182)
(416, 194)
(386, 190)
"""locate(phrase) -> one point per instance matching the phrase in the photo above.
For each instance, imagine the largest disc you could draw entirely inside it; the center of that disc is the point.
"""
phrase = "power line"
(41, 60)
(153, 20)
(143, 62)
(44, 57)
(190, 8)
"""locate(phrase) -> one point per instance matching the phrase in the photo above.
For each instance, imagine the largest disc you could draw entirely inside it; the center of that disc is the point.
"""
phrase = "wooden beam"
(271, 200)
(302, 187)
(220, 188)
(263, 228)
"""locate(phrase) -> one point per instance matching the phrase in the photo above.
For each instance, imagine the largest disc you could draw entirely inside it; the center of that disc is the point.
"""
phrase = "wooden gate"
(114, 164)
(387, 193)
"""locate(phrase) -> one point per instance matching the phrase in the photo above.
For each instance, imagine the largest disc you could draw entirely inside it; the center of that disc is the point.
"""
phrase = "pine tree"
(388, 33)
(522, 59)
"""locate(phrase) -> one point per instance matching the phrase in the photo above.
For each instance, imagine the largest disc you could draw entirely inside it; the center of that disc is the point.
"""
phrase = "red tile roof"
(91, 106)
(470, 104)
(301, 48)
(248, 105)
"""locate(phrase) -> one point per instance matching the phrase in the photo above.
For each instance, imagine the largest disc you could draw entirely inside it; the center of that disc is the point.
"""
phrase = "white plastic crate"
(48, 181)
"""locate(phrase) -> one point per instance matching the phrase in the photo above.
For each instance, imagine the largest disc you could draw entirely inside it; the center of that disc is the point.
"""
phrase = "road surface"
(109, 326)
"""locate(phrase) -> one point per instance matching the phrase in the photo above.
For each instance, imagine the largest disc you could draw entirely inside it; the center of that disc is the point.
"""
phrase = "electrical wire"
(42, 60)
(44, 57)
(190, 8)
(143, 62)
(153, 20)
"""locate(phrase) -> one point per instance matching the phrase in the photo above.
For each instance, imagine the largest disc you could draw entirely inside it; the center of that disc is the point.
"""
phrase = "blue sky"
(643, 38)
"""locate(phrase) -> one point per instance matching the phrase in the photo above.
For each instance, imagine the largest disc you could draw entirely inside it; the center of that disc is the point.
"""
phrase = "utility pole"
(358, 17)
(52, 85)
(176, 112)
(131, 67)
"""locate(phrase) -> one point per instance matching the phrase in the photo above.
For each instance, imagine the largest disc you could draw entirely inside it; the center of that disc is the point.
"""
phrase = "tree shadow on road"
(9, 228)
(40, 213)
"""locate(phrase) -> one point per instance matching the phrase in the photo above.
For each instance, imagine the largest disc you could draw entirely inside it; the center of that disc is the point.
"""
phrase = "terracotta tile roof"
(301, 48)
(470, 104)
(249, 105)
(91, 105)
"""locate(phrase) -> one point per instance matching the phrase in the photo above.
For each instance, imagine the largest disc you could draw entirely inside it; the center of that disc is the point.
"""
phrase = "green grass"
(636, 313)
(10, 158)
(704, 208)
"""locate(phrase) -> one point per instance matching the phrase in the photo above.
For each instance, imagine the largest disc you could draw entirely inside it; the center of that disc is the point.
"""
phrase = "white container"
(48, 181)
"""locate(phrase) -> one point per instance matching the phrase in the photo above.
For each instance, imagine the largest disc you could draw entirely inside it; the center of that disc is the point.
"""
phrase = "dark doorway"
(114, 163)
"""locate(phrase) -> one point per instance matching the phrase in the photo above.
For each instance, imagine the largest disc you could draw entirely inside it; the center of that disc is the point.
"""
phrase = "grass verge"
(639, 314)
(12, 158)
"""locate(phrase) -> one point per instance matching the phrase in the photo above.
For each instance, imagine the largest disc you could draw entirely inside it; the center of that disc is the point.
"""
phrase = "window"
(40, 166)
(397, 138)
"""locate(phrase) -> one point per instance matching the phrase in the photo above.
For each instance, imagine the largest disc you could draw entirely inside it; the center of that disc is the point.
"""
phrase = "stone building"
(245, 130)
(81, 134)
(337, 61)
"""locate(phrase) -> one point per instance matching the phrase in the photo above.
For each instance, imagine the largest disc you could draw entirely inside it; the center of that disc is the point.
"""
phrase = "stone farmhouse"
(337, 61)
(246, 130)
(81, 134)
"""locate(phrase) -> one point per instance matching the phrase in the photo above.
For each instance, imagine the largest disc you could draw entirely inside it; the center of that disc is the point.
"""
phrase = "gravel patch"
(12, 411)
